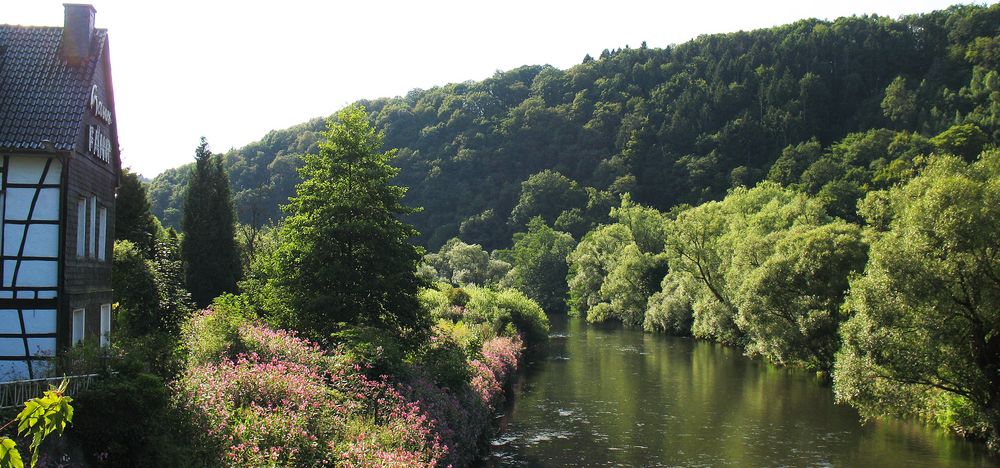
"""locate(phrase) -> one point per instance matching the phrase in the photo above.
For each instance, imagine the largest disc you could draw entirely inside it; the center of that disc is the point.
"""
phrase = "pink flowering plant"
(266, 397)
(263, 412)
(286, 402)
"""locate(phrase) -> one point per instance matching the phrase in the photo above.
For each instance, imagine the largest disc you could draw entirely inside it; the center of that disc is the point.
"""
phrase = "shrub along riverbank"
(887, 289)
(334, 352)
(262, 396)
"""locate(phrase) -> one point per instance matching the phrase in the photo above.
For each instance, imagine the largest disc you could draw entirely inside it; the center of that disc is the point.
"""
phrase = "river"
(608, 396)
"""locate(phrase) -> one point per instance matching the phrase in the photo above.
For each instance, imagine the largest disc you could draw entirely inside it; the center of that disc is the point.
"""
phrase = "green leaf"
(42, 416)
(10, 457)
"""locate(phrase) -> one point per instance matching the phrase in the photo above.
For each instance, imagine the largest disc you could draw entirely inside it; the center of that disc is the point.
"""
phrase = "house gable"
(59, 164)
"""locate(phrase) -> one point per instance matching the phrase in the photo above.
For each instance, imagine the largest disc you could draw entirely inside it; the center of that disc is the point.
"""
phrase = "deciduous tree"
(925, 316)
(540, 264)
(346, 257)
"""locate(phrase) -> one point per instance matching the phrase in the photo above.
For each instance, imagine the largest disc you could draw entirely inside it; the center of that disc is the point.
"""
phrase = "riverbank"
(262, 396)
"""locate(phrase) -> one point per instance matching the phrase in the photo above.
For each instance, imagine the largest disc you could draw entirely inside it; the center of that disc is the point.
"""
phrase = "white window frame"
(102, 234)
(79, 325)
(81, 227)
(93, 227)
(105, 324)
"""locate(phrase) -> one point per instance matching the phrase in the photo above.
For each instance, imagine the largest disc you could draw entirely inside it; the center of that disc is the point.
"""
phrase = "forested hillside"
(681, 124)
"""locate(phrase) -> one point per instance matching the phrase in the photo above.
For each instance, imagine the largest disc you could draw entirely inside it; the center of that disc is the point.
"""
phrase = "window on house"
(92, 239)
(81, 227)
(105, 324)
(79, 321)
(102, 234)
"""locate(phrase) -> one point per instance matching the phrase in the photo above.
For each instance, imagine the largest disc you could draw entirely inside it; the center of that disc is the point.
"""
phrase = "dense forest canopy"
(681, 124)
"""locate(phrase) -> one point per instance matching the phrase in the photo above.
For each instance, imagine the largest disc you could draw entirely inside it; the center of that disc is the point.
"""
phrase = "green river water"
(608, 396)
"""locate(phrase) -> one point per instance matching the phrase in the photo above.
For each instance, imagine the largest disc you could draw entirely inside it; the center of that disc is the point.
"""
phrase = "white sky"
(233, 70)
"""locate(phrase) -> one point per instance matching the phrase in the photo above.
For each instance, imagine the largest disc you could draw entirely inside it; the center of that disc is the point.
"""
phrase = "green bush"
(135, 290)
(444, 359)
(437, 304)
(209, 335)
(129, 421)
(600, 312)
(470, 335)
(669, 310)
(960, 415)
(457, 296)
(508, 307)
(372, 347)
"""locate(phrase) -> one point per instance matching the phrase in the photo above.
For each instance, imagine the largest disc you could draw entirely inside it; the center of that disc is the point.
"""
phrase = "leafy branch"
(40, 418)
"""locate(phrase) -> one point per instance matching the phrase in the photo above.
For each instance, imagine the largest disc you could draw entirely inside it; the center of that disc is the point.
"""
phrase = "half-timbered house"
(59, 165)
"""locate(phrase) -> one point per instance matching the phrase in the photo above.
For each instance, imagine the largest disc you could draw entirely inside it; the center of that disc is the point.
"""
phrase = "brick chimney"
(78, 29)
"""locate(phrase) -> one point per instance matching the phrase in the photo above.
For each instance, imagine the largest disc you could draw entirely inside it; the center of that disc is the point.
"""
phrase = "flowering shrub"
(494, 371)
(485, 384)
(460, 415)
(387, 430)
(265, 397)
(264, 412)
(502, 355)
(283, 401)
(282, 344)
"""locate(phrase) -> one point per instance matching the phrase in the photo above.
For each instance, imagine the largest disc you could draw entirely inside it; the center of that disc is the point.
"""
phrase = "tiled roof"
(42, 97)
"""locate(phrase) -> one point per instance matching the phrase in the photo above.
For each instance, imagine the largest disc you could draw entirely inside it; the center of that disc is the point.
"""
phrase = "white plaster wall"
(18, 203)
(14, 370)
(25, 170)
(33, 273)
(35, 321)
(11, 347)
(42, 346)
(28, 169)
(9, 322)
(47, 207)
(55, 171)
(43, 240)
(40, 321)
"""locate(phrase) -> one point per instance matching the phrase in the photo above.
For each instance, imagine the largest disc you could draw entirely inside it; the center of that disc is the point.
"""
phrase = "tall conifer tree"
(347, 257)
(211, 259)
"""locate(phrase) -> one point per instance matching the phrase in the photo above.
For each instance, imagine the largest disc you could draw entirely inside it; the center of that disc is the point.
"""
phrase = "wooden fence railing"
(15, 393)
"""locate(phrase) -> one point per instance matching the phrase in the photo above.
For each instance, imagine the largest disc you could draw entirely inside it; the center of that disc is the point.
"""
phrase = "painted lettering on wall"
(97, 105)
(98, 141)
(99, 144)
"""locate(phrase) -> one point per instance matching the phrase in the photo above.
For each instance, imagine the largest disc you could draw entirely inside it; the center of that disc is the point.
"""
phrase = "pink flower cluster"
(460, 416)
(283, 344)
(274, 399)
(366, 452)
(263, 412)
(490, 375)
(285, 402)
(396, 429)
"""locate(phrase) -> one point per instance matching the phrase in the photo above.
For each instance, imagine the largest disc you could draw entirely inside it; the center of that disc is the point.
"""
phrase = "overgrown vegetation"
(821, 195)
(388, 378)
(897, 311)
(345, 258)
(265, 396)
